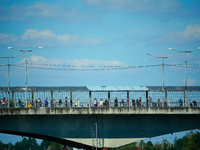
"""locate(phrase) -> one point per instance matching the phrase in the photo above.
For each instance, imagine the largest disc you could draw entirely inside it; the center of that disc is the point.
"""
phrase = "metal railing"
(195, 102)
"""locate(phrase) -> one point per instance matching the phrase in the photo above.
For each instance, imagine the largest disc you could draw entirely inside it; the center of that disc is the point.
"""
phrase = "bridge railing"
(195, 102)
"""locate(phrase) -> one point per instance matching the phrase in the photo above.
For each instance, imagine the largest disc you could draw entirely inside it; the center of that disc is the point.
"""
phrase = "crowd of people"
(106, 103)
(129, 103)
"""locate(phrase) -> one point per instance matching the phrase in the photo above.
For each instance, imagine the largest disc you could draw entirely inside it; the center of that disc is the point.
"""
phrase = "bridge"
(86, 126)
(115, 126)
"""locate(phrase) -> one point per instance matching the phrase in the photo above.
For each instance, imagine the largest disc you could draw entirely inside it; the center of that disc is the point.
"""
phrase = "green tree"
(179, 144)
(44, 144)
(196, 138)
(149, 143)
(128, 147)
(191, 145)
(25, 144)
(1, 145)
(32, 143)
(55, 146)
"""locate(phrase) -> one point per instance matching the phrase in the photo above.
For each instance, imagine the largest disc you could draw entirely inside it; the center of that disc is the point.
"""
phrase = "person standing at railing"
(106, 103)
(95, 102)
(122, 103)
(59, 102)
(165, 103)
(127, 103)
(3, 102)
(65, 101)
(52, 105)
(29, 104)
(195, 103)
(133, 102)
(149, 100)
(138, 103)
(101, 103)
(180, 102)
(46, 102)
(39, 102)
(116, 102)
(20, 103)
(154, 104)
(71, 102)
(77, 103)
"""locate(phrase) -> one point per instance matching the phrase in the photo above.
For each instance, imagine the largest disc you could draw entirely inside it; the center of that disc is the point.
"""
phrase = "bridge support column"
(128, 98)
(13, 95)
(185, 98)
(147, 98)
(71, 97)
(90, 96)
(165, 99)
(127, 94)
(169, 100)
(51, 94)
(109, 97)
(32, 95)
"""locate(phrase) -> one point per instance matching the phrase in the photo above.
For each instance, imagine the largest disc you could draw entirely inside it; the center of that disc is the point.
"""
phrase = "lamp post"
(162, 70)
(185, 52)
(24, 51)
(8, 65)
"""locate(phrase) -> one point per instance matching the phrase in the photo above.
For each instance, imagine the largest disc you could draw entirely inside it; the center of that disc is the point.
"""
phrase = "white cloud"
(43, 11)
(191, 82)
(7, 38)
(190, 35)
(34, 33)
(46, 38)
(76, 62)
(37, 58)
(135, 6)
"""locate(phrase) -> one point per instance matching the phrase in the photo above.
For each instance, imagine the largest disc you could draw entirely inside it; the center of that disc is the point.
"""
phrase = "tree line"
(31, 144)
(191, 141)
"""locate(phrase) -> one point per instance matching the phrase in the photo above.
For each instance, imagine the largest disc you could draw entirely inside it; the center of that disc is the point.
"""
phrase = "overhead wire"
(94, 67)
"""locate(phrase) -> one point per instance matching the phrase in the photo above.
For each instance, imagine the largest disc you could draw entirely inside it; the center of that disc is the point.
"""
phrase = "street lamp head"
(10, 48)
(39, 47)
(148, 54)
(170, 48)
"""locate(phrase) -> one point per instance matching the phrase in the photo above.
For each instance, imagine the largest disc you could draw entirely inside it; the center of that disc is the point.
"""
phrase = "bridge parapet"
(98, 110)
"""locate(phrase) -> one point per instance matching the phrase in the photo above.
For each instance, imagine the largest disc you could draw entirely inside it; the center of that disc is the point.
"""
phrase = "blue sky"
(98, 33)
(84, 35)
